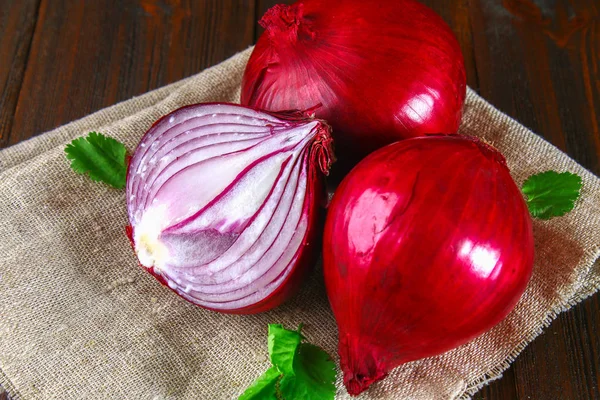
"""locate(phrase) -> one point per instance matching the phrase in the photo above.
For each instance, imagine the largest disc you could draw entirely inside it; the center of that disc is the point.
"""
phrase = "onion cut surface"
(428, 243)
(223, 203)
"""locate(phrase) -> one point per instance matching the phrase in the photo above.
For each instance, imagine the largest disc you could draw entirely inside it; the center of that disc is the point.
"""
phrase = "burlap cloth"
(80, 320)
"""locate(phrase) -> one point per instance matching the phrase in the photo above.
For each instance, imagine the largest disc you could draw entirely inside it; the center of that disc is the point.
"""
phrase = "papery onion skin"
(307, 155)
(428, 243)
(381, 71)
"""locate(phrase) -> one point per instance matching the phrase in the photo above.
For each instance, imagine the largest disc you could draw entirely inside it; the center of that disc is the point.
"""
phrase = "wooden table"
(536, 60)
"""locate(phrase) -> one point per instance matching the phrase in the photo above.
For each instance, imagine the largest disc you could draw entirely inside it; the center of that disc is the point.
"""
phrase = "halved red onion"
(224, 202)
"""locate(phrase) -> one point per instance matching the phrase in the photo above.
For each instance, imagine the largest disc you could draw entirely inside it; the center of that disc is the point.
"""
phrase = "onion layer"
(224, 201)
(428, 243)
(381, 71)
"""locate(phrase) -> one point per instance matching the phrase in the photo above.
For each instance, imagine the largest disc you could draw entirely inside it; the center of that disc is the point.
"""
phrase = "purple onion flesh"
(224, 203)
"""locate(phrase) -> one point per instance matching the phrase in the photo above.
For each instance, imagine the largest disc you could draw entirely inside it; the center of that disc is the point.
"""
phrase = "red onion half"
(224, 201)
(382, 70)
(428, 243)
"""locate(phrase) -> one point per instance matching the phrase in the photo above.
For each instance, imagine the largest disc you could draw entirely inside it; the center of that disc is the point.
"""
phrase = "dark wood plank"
(537, 61)
(547, 58)
(17, 23)
(534, 59)
(261, 7)
(563, 363)
(456, 14)
(87, 55)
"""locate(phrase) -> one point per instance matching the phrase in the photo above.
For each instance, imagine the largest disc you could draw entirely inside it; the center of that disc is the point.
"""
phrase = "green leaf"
(550, 194)
(282, 347)
(301, 371)
(314, 377)
(101, 158)
(265, 387)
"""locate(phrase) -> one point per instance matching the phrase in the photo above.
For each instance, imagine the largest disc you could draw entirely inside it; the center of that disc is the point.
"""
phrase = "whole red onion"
(381, 70)
(224, 203)
(428, 243)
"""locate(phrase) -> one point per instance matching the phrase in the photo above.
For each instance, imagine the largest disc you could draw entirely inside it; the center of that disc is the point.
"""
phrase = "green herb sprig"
(300, 371)
(100, 157)
(551, 194)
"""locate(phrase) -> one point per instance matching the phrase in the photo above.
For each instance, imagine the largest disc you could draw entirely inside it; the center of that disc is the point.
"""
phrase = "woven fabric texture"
(80, 320)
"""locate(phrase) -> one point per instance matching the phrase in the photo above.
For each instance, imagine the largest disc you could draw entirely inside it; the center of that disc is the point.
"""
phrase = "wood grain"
(17, 23)
(536, 60)
(261, 7)
(91, 54)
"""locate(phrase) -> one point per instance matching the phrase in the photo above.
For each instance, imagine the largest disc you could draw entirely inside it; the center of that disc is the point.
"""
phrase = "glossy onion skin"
(381, 71)
(167, 152)
(428, 243)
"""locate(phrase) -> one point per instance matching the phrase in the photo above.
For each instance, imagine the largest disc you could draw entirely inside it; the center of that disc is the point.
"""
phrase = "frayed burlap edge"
(8, 387)
(465, 392)
(28, 150)
(495, 373)
(583, 292)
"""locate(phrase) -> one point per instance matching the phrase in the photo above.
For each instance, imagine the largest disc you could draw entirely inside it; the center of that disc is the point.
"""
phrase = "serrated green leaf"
(265, 387)
(314, 376)
(300, 371)
(283, 344)
(551, 194)
(101, 158)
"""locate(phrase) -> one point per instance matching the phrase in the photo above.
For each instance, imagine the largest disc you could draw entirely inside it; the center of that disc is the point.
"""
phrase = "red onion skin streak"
(428, 243)
(381, 71)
